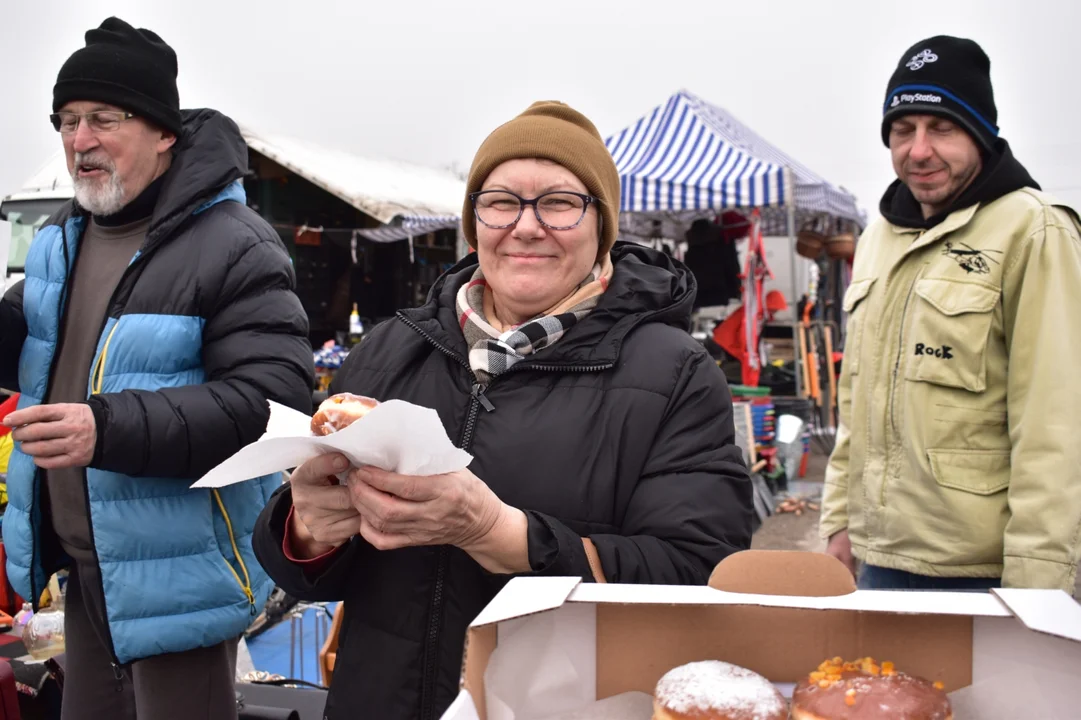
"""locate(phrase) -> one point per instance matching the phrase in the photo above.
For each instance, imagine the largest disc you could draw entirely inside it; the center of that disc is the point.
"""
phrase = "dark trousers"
(178, 686)
(873, 577)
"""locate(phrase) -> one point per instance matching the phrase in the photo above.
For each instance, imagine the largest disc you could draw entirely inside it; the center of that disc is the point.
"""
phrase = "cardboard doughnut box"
(558, 648)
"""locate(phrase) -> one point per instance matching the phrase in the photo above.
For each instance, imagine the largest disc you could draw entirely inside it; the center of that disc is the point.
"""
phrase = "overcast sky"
(425, 81)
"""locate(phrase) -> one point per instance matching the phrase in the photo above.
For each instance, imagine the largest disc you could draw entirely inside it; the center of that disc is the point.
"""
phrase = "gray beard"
(100, 198)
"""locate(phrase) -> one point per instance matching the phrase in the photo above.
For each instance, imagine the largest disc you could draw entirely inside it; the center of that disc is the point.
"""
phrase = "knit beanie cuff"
(934, 100)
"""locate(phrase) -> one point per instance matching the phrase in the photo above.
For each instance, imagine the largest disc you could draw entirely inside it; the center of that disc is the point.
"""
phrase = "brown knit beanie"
(556, 132)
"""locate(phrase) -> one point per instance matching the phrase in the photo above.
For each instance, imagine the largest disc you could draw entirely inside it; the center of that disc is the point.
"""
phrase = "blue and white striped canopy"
(674, 159)
(688, 155)
(407, 226)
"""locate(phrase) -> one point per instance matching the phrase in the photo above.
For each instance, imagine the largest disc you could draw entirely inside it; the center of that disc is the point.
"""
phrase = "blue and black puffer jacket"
(203, 328)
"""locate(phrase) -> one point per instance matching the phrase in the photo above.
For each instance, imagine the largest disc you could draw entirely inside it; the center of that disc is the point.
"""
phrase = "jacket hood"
(1001, 175)
(209, 155)
(647, 287)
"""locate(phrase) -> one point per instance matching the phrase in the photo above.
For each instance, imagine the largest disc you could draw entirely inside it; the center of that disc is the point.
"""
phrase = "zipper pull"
(119, 675)
(251, 601)
(478, 394)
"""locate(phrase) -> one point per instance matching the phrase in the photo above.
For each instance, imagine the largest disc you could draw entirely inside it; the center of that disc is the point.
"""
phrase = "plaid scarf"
(494, 350)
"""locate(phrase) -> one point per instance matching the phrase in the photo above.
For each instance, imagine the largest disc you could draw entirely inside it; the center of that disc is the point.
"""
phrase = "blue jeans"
(873, 577)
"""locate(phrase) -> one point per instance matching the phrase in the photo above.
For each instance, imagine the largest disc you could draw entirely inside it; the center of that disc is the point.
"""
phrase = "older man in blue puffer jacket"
(157, 318)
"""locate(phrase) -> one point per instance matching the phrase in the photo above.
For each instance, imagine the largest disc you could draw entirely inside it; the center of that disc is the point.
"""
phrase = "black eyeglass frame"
(523, 202)
(56, 117)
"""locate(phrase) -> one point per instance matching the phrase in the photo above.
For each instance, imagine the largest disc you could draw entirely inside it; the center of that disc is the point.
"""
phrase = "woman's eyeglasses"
(561, 210)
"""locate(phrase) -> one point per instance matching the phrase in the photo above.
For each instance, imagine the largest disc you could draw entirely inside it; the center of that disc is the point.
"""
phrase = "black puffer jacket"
(622, 431)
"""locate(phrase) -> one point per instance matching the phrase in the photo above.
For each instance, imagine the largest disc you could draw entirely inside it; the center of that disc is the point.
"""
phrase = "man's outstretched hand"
(57, 436)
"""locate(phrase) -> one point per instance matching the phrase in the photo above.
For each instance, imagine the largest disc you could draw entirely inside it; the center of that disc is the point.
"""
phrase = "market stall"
(367, 236)
(688, 159)
(695, 181)
(367, 232)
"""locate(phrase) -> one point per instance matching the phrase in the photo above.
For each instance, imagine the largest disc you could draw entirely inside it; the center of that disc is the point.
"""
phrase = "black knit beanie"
(132, 69)
(945, 76)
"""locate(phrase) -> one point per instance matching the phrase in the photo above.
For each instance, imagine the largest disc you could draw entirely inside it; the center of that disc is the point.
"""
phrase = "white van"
(28, 208)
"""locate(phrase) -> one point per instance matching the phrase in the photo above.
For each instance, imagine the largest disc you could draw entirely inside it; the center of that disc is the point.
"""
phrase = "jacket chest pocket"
(855, 307)
(948, 333)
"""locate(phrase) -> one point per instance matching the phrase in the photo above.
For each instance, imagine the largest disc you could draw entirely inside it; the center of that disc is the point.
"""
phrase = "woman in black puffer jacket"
(601, 432)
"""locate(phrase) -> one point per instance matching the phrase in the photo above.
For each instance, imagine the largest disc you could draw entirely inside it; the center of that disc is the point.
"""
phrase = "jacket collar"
(953, 222)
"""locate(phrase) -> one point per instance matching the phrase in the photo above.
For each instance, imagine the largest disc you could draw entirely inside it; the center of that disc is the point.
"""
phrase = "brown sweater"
(104, 253)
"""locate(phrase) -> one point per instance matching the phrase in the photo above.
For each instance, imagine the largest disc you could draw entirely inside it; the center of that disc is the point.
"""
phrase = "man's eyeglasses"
(561, 210)
(99, 121)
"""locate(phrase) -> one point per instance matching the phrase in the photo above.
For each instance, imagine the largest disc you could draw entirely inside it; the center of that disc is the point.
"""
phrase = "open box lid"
(1047, 611)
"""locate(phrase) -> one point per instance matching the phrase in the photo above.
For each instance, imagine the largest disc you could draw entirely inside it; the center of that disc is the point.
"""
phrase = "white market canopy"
(382, 189)
(688, 158)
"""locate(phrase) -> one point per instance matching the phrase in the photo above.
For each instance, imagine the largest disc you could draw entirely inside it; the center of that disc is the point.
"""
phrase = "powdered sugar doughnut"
(340, 411)
(715, 690)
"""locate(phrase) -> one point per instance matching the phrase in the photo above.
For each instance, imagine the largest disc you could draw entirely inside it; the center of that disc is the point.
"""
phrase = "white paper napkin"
(396, 436)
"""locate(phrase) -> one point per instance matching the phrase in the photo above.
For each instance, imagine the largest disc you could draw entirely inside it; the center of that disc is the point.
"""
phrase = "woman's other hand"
(453, 509)
(324, 516)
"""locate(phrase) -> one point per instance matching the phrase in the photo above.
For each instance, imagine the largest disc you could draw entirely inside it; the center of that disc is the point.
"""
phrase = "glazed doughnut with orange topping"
(865, 690)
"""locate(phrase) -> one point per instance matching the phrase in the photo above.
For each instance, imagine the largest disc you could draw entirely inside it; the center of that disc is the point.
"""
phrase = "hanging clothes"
(714, 260)
(754, 277)
(731, 335)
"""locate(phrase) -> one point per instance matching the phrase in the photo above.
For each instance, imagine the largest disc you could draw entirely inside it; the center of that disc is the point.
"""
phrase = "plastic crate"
(749, 391)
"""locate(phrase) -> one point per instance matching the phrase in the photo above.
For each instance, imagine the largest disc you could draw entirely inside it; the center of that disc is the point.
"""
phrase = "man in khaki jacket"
(958, 459)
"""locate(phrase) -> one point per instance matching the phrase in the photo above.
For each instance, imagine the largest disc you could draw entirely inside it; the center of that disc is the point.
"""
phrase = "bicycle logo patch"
(920, 59)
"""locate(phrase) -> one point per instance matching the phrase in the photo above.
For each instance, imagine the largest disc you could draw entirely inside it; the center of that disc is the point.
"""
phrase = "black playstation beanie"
(120, 65)
(945, 76)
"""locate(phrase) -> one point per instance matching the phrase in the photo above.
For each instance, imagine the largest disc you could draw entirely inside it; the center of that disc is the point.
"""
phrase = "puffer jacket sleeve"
(255, 348)
(12, 335)
(692, 506)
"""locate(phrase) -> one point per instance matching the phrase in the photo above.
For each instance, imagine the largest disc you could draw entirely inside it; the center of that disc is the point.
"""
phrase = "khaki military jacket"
(959, 447)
